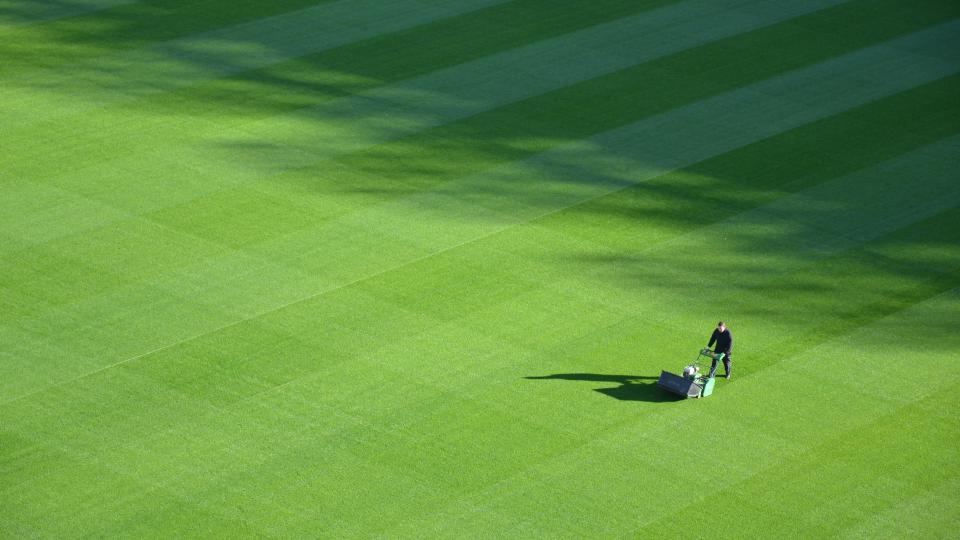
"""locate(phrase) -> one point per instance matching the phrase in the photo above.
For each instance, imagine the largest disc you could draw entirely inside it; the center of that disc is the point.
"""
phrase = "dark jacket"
(724, 341)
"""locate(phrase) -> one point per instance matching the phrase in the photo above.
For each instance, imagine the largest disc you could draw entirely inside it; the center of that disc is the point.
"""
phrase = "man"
(724, 340)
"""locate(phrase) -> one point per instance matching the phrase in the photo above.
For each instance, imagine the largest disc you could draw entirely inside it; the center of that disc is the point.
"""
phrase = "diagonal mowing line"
(37, 13)
(872, 203)
(613, 438)
(932, 508)
(387, 113)
(866, 73)
(383, 114)
(935, 306)
(241, 321)
(621, 157)
(184, 61)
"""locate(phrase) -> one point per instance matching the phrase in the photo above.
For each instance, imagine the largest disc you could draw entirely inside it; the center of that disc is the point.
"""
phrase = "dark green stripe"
(401, 55)
(537, 124)
(74, 39)
(712, 191)
(760, 173)
(872, 287)
(789, 162)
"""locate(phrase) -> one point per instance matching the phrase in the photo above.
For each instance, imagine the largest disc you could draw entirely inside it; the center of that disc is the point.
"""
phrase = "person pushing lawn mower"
(724, 344)
(693, 384)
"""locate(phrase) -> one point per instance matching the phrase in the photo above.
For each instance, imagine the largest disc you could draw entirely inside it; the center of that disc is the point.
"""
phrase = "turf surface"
(410, 268)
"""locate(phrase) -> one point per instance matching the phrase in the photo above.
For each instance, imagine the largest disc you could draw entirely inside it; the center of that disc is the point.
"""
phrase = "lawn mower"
(693, 383)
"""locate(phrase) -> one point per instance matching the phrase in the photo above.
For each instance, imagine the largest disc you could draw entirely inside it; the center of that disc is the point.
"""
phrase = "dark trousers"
(726, 365)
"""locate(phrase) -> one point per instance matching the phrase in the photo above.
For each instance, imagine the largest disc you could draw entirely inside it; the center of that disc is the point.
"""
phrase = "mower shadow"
(630, 389)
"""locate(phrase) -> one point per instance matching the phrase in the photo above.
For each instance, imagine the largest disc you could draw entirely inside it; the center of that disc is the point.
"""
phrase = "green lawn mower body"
(692, 383)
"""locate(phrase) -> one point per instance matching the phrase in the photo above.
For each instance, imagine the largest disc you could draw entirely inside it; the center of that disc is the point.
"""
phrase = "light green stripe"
(14, 13)
(800, 414)
(803, 228)
(888, 369)
(933, 513)
(175, 64)
(515, 193)
(353, 124)
(848, 211)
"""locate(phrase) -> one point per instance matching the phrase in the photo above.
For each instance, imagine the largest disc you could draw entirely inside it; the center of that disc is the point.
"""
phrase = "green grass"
(362, 268)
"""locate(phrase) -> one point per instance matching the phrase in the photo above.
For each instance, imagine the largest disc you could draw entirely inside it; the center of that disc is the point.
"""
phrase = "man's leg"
(726, 365)
(713, 368)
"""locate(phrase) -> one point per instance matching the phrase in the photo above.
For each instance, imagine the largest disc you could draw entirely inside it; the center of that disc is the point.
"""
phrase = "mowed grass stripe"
(756, 295)
(385, 59)
(189, 60)
(780, 422)
(523, 75)
(807, 276)
(905, 429)
(144, 127)
(764, 331)
(353, 124)
(83, 32)
(490, 201)
(614, 469)
(767, 169)
(796, 255)
(901, 280)
(418, 238)
(22, 13)
(203, 428)
(394, 56)
(89, 209)
(640, 218)
(526, 120)
(406, 451)
(519, 130)
(928, 513)
(800, 247)
(352, 68)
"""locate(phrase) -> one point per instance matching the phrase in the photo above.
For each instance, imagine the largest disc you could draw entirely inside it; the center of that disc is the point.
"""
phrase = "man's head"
(721, 327)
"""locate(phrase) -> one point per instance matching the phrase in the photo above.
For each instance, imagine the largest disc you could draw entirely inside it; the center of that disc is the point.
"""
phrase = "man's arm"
(730, 348)
(713, 339)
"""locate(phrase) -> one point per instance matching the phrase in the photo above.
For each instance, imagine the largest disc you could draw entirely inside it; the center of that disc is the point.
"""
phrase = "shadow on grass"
(631, 388)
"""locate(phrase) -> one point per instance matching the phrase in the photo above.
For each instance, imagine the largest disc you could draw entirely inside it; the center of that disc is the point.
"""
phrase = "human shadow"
(631, 388)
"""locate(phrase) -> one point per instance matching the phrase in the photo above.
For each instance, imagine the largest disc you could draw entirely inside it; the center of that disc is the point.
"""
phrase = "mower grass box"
(691, 384)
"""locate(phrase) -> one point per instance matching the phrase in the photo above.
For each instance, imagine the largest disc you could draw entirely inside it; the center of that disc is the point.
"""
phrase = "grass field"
(410, 268)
